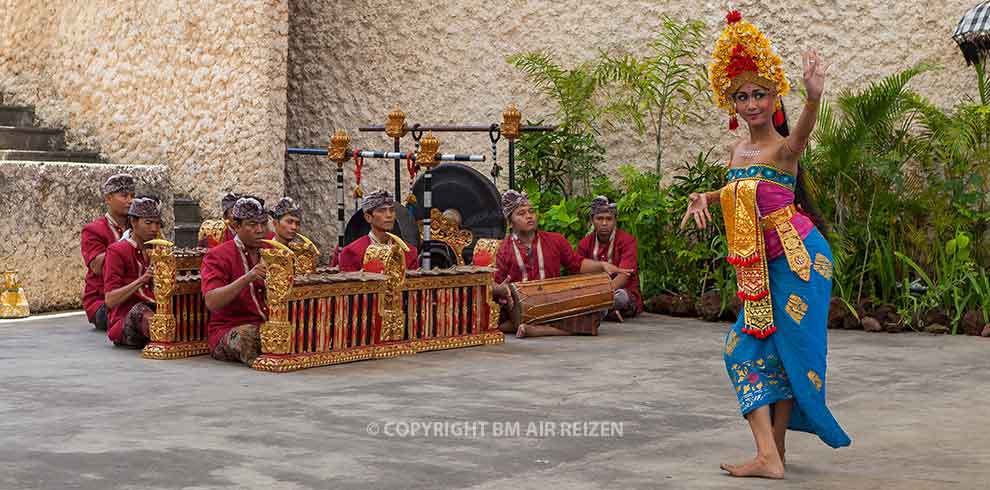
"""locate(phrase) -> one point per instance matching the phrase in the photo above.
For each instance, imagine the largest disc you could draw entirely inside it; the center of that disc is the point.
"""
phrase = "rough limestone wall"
(197, 85)
(350, 62)
(45, 207)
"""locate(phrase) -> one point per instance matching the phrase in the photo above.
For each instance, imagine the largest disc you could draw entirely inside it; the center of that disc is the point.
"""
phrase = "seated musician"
(118, 191)
(379, 211)
(232, 279)
(287, 217)
(215, 232)
(530, 254)
(130, 298)
(608, 243)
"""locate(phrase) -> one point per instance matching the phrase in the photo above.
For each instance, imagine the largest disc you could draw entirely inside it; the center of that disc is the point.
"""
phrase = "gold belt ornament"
(797, 255)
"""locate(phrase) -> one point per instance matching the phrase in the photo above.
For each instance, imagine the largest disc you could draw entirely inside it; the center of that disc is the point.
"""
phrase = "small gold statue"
(13, 301)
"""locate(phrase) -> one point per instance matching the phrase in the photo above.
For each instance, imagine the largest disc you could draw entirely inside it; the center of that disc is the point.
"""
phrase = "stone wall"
(196, 85)
(351, 62)
(45, 207)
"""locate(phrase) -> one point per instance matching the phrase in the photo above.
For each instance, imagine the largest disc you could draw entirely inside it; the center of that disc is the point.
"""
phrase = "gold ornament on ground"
(13, 301)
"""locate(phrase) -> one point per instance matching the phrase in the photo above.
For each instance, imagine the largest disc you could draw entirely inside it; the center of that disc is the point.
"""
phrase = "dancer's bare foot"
(760, 467)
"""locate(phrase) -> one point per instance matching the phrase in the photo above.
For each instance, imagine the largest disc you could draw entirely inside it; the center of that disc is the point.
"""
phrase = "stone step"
(26, 138)
(15, 115)
(50, 156)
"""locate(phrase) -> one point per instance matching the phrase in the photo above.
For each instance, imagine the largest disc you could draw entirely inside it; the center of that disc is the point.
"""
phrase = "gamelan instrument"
(561, 301)
(327, 317)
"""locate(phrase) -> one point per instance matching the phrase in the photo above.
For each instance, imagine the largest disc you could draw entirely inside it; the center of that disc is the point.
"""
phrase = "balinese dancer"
(775, 353)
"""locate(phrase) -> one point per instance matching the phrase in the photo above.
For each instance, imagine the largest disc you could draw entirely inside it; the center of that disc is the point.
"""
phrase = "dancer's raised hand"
(697, 209)
(813, 74)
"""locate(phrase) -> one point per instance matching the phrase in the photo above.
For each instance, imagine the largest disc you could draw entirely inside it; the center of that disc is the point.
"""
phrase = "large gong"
(358, 227)
(470, 193)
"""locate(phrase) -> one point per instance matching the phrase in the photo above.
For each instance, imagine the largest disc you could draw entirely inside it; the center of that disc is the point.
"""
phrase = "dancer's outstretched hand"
(814, 74)
(697, 209)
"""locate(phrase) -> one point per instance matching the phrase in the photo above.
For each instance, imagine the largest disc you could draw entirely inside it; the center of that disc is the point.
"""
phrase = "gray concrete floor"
(77, 413)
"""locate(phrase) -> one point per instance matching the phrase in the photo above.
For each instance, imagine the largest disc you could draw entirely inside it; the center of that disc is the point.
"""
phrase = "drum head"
(515, 315)
(469, 192)
(358, 227)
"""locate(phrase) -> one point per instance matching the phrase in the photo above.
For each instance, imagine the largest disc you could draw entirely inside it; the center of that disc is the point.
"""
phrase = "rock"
(886, 313)
(871, 324)
(937, 329)
(852, 323)
(709, 306)
(683, 305)
(893, 327)
(935, 316)
(732, 309)
(972, 323)
(986, 331)
(661, 304)
(865, 308)
(837, 313)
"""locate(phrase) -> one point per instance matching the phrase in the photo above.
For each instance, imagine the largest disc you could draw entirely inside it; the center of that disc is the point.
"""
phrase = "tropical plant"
(572, 90)
(565, 160)
(661, 90)
(562, 162)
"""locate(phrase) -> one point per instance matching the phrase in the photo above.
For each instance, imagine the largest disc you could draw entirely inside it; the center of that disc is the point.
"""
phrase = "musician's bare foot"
(759, 467)
(521, 331)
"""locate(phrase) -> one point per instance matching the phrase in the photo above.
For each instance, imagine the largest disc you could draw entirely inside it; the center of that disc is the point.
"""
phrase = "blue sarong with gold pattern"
(778, 346)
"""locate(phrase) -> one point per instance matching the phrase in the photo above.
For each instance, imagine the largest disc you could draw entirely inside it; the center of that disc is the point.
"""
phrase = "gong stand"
(426, 156)
(396, 127)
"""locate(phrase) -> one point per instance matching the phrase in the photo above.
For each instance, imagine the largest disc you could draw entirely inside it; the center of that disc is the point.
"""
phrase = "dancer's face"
(754, 104)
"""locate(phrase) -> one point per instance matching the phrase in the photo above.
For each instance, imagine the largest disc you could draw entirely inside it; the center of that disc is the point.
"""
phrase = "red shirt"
(221, 266)
(94, 240)
(557, 253)
(124, 263)
(352, 256)
(624, 250)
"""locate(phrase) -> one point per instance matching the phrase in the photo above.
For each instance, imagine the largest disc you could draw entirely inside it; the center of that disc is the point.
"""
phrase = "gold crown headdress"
(744, 55)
